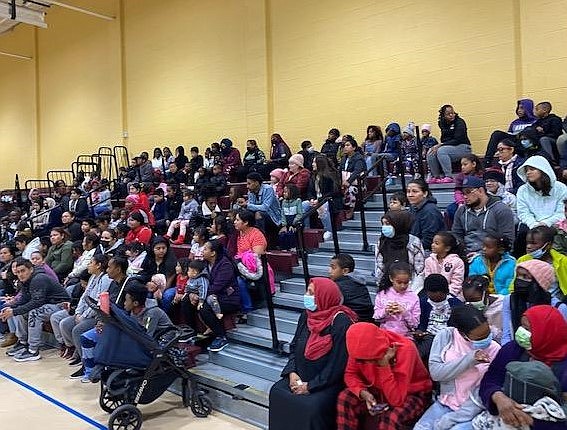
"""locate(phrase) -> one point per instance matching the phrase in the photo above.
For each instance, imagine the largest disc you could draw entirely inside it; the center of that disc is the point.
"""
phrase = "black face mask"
(531, 292)
(522, 287)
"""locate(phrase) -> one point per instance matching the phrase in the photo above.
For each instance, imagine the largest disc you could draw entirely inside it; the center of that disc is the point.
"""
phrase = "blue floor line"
(54, 401)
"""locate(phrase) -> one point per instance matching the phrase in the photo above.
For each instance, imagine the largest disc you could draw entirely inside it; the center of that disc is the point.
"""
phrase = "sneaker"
(79, 374)
(327, 236)
(16, 349)
(390, 181)
(75, 361)
(85, 380)
(446, 180)
(9, 340)
(27, 355)
(433, 180)
(218, 344)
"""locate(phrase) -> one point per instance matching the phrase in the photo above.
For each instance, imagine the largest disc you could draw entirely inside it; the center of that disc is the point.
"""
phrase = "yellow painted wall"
(191, 72)
(17, 109)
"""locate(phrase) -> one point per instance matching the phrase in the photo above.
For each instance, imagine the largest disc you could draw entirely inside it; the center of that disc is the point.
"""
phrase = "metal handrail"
(276, 344)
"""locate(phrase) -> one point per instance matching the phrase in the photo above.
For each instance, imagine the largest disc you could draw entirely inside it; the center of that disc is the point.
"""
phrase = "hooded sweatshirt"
(535, 208)
(39, 290)
(406, 374)
(392, 143)
(472, 226)
(427, 221)
(528, 119)
(356, 295)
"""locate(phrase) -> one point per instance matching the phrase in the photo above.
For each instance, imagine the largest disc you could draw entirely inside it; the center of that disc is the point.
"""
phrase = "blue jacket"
(266, 201)
(504, 273)
(428, 221)
(392, 143)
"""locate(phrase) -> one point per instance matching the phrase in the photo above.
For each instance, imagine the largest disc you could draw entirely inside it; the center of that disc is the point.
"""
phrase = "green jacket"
(559, 263)
(60, 258)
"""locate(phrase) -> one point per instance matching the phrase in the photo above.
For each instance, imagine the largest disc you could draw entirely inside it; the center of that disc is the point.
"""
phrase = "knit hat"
(297, 159)
(542, 272)
(495, 174)
(278, 173)
(226, 142)
(409, 130)
(426, 127)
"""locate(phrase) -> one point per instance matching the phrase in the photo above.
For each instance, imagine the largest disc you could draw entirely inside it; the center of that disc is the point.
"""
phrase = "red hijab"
(549, 334)
(328, 299)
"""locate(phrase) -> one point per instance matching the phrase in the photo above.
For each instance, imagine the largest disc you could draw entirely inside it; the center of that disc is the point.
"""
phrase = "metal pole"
(302, 254)
(270, 303)
(420, 152)
(334, 227)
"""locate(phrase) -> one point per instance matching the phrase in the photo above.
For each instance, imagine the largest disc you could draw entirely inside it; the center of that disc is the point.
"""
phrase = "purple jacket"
(528, 119)
(222, 281)
(493, 381)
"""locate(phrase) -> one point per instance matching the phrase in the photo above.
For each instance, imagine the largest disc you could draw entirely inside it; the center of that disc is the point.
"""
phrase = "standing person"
(454, 145)
(526, 117)
(459, 358)
(306, 396)
(541, 336)
(427, 217)
(331, 145)
(352, 165)
(386, 381)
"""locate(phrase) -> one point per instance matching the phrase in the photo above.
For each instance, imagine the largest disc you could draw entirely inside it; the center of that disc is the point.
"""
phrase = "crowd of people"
(470, 304)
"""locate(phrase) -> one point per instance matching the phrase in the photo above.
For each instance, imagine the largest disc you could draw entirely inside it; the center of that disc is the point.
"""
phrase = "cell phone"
(379, 407)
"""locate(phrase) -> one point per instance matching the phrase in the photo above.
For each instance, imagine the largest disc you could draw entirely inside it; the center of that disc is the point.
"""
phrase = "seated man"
(353, 287)
(549, 127)
(263, 202)
(40, 297)
(481, 214)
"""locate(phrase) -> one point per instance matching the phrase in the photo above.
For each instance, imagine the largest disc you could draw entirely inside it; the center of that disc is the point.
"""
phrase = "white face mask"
(438, 305)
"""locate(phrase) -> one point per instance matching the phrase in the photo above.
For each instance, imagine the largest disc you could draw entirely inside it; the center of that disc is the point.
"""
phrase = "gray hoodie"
(472, 226)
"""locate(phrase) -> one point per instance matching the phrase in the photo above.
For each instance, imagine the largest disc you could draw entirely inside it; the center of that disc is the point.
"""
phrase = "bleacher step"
(286, 320)
(257, 336)
(362, 261)
(250, 360)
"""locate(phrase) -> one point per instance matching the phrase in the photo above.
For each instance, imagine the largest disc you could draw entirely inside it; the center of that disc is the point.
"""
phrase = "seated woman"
(459, 358)
(253, 161)
(385, 378)
(352, 165)
(305, 399)
(59, 256)
(534, 280)
(475, 290)
(540, 336)
(454, 145)
(279, 153)
(297, 175)
(428, 220)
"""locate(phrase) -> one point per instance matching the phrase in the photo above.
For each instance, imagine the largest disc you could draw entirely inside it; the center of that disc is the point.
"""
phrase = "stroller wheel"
(125, 417)
(107, 402)
(201, 406)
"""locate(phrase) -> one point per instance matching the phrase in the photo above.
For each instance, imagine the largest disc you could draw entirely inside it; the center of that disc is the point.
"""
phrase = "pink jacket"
(400, 323)
(452, 268)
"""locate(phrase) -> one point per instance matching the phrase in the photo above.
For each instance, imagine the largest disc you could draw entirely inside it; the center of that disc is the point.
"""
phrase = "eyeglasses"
(468, 191)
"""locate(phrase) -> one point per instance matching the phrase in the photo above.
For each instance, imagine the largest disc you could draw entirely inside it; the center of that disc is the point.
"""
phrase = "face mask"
(388, 231)
(526, 143)
(310, 149)
(438, 305)
(480, 305)
(309, 302)
(523, 338)
(483, 343)
(538, 253)
(521, 286)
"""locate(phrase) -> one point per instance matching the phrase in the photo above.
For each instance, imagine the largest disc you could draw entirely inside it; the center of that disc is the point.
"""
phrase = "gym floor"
(40, 395)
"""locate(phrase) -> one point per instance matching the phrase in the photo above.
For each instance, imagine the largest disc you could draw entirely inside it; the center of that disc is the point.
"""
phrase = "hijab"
(549, 334)
(329, 301)
(395, 248)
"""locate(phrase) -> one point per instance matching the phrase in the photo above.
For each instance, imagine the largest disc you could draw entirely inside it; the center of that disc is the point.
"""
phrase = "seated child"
(188, 209)
(198, 283)
(560, 239)
(446, 259)
(409, 149)
(353, 287)
(291, 208)
(398, 201)
(495, 261)
(436, 306)
(427, 141)
(475, 290)
(396, 307)
(200, 237)
(136, 253)
(276, 176)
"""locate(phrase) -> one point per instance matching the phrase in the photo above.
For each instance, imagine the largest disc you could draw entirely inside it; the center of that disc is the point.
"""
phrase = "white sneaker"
(327, 236)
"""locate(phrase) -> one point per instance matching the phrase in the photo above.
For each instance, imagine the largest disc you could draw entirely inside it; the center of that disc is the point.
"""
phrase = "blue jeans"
(167, 299)
(434, 413)
(245, 299)
(88, 343)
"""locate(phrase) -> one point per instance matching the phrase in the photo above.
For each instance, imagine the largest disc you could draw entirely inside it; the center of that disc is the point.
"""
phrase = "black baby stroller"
(138, 368)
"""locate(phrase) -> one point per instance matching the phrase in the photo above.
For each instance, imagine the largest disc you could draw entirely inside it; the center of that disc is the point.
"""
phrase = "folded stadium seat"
(224, 203)
(181, 251)
(283, 261)
(312, 237)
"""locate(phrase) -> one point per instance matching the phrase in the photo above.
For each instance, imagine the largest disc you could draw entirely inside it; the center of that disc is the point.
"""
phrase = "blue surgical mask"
(538, 253)
(309, 302)
(526, 143)
(483, 343)
(388, 231)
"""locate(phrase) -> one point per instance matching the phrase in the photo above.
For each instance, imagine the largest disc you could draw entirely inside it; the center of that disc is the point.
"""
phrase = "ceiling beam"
(23, 14)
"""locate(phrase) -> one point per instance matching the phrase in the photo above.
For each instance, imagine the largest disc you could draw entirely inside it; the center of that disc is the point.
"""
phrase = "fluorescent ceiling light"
(23, 14)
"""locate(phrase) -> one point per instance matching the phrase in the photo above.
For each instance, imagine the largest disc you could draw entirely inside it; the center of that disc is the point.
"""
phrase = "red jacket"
(300, 180)
(141, 234)
(407, 374)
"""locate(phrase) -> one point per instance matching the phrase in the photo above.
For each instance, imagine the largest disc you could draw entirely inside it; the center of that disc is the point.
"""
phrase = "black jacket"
(551, 124)
(356, 165)
(39, 290)
(455, 133)
(356, 296)
(330, 148)
(427, 222)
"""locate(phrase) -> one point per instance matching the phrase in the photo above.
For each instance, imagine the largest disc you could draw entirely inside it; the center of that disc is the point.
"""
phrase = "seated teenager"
(459, 358)
(548, 127)
(540, 336)
(352, 286)
(534, 281)
(306, 396)
(436, 306)
(59, 257)
(386, 381)
(475, 290)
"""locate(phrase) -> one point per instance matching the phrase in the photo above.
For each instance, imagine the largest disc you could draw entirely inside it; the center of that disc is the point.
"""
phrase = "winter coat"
(455, 133)
(504, 272)
(451, 267)
(427, 221)
(37, 291)
(356, 295)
